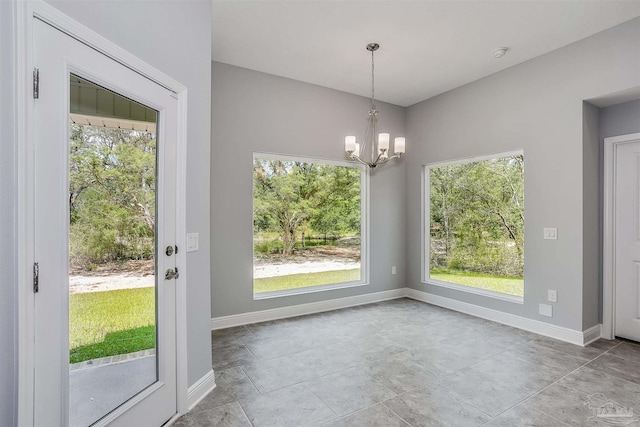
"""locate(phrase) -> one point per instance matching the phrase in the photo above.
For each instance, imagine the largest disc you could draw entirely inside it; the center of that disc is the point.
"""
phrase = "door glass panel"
(112, 250)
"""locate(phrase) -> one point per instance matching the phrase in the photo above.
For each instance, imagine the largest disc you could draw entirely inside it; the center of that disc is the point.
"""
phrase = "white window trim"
(474, 290)
(308, 290)
(426, 237)
(364, 226)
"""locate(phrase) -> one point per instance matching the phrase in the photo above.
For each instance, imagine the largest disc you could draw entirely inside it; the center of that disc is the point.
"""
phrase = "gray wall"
(8, 249)
(620, 119)
(591, 255)
(257, 112)
(536, 106)
(175, 37)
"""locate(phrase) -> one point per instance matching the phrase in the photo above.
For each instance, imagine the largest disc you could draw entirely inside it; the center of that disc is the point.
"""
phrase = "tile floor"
(406, 363)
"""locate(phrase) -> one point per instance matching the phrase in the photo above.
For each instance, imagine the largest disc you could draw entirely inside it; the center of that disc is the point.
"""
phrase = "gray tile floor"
(407, 363)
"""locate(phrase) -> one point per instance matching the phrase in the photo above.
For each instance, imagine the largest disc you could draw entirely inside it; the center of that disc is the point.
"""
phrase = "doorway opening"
(621, 249)
(69, 62)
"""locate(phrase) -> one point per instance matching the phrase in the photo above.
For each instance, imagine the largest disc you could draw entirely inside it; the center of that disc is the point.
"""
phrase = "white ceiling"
(427, 47)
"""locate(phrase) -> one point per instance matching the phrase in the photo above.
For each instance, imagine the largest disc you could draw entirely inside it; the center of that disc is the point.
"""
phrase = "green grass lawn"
(502, 284)
(112, 322)
(294, 281)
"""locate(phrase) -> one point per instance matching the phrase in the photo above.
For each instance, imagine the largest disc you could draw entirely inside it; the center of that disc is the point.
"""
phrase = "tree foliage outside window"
(112, 183)
(476, 224)
(306, 211)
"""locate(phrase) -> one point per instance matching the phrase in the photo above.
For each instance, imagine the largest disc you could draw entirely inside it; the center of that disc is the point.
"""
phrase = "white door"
(126, 381)
(627, 240)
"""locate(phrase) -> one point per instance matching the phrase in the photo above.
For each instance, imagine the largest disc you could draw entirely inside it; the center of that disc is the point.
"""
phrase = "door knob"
(171, 274)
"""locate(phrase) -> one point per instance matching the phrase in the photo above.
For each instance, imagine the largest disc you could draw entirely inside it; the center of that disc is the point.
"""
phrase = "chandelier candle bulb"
(398, 145)
(383, 142)
(350, 144)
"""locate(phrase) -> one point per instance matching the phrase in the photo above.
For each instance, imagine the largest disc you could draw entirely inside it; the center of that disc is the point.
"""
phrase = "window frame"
(364, 226)
(426, 228)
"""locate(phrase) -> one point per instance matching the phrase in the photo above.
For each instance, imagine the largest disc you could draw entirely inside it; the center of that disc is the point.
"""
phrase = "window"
(475, 220)
(308, 225)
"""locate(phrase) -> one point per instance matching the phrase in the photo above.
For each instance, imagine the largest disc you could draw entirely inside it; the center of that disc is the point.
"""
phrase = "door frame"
(25, 13)
(608, 243)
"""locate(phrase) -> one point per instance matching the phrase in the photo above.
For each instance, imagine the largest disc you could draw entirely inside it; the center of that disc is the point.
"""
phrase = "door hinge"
(36, 83)
(36, 277)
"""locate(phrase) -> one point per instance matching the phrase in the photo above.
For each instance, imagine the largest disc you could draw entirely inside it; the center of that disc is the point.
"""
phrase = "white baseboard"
(303, 309)
(200, 389)
(572, 336)
(558, 332)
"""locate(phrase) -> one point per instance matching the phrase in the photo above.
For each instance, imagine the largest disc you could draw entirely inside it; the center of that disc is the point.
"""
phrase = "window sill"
(477, 291)
(307, 290)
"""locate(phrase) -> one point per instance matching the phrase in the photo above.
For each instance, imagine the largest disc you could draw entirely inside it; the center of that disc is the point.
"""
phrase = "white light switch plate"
(551, 234)
(552, 295)
(545, 310)
(192, 242)
(393, 270)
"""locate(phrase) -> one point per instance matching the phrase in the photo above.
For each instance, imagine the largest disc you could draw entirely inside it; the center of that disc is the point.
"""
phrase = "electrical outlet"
(551, 234)
(545, 310)
(393, 270)
(192, 242)
(552, 295)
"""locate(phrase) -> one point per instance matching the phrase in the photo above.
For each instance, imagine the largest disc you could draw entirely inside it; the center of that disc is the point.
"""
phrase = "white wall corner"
(201, 388)
(303, 309)
(592, 334)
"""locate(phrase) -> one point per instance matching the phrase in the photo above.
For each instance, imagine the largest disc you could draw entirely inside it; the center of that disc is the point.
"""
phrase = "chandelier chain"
(373, 90)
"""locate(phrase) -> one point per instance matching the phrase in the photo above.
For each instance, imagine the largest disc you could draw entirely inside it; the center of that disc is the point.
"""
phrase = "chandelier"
(378, 151)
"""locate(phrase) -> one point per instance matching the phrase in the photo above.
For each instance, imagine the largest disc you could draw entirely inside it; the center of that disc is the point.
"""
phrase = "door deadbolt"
(169, 250)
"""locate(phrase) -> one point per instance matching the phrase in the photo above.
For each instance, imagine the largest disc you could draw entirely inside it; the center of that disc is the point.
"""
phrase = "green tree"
(111, 193)
(338, 201)
(291, 196)
(477, 216)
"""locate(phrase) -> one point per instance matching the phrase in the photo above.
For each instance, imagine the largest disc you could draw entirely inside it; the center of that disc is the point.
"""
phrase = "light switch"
(552, 295)
(551, 234)
(393, 270)
(192, 242)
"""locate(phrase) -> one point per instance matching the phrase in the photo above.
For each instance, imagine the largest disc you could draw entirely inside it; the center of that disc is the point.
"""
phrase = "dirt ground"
(140, 273)
(133, 268)
(84, 284)
(315, 260)
(316, 254)
(284, 269)
(111, 276)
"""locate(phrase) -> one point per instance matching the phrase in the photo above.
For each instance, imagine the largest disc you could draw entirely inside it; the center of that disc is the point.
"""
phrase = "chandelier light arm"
(380, 158)
(354, 157)
(385, 160)
(378, 161)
